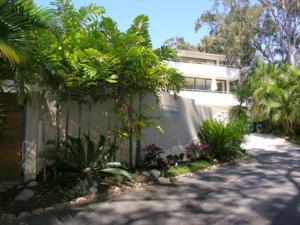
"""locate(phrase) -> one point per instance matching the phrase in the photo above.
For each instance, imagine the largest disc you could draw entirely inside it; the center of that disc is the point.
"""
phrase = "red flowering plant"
(197, 150)
(153, 157)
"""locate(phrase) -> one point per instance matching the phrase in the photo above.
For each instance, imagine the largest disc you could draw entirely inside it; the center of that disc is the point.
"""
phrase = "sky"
(168, 18)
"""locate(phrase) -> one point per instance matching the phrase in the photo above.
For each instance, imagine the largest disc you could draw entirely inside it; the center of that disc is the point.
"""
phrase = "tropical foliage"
(94, 61)
(276, 95)
(242, 93)
(86, 159)
(224, 141)
(19, 18)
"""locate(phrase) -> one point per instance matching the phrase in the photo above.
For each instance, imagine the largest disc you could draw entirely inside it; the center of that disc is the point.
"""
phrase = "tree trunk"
(138, 155)
(67, 119)
(79, 119)
(57, 118)
(130, 149)
(89, 128)
(292, 55)
(130, 128)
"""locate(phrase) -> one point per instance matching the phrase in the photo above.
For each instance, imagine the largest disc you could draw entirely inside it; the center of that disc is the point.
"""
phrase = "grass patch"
(188, 168)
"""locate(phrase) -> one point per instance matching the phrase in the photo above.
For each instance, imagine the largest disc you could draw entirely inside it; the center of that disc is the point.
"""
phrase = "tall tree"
(232, 25)
(93, 59)
(267, 30)
(280, 30)
(179, 43)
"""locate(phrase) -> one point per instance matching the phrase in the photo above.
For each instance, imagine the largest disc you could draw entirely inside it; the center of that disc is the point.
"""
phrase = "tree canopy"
(267, 30)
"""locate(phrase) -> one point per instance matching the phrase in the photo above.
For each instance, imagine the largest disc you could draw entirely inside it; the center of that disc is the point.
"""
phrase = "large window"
(204, 84)
(221, 84)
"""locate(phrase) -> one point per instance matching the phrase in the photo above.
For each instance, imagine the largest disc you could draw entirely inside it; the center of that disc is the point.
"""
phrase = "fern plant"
(90, 159)
(224, 141)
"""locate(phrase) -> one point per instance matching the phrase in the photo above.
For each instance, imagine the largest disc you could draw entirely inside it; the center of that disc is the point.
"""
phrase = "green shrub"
(86, 160)
(224, 141)
(188, 168)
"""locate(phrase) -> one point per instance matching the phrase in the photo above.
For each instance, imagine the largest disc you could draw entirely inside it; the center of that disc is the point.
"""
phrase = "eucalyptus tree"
(179, 43)
(232, 25)
(276, 95)
(280, 33)
(247, 30)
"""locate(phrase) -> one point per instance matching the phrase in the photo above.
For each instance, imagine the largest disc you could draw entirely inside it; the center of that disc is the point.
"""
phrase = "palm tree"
(278, 97)
(242, 92)
(17, 18)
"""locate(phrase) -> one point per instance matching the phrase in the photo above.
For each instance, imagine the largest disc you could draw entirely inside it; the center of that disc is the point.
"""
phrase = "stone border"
(80, 201)
(113, 191)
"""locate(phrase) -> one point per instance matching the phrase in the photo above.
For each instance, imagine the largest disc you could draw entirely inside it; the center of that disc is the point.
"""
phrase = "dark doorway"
(10, 140)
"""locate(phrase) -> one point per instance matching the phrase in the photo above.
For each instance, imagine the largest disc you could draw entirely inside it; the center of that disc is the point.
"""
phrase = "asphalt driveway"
(259, 191)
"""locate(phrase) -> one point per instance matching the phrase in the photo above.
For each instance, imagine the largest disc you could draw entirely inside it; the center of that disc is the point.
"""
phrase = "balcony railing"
(207, 91)
(207, 97)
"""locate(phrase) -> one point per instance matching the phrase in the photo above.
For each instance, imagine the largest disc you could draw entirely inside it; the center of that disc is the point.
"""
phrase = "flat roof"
(200, 55)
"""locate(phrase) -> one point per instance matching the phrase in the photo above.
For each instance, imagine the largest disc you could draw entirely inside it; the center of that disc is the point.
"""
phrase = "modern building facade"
(209, 81)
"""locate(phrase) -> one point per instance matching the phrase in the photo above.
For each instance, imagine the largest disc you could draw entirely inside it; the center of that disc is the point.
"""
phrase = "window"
(200, 84)
(207, 85)
(190, 82)
(221, 84)
(204, 84)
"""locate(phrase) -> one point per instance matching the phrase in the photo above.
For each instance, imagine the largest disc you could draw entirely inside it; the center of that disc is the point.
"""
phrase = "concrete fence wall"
(180, 119)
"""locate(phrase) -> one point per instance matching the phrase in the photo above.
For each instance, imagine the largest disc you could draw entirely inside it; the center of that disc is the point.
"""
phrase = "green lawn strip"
(188, 168)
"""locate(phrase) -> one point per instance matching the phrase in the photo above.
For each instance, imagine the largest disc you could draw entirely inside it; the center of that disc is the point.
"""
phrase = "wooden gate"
(10, 140)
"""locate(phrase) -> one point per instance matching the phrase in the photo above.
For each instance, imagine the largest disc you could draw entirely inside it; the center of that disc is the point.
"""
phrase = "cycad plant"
(86, 158)
(223, 140)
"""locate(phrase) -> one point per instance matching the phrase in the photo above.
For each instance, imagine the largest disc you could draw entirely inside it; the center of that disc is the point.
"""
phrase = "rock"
(8, 217)
(163, 180)
(32, 184)
(80, 200)
(24, 195)
(115, 190)
(126, 188)
(146, 174)
(23, 215)
(38, 211)
(48, 209)
(20, 186)
(155, 173)
(93, 190)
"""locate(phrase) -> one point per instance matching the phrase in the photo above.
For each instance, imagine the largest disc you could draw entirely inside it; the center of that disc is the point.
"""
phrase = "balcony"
(206, 71)
(209, 98)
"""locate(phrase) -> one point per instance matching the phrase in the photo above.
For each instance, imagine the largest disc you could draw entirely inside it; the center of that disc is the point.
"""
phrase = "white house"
(209, 82)
(206, 96)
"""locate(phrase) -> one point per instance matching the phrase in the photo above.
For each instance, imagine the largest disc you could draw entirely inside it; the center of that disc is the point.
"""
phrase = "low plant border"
(115, 190)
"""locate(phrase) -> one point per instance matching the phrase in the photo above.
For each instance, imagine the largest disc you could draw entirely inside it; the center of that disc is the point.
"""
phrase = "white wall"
(206, 71)
(225, 100)
(180, 120)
